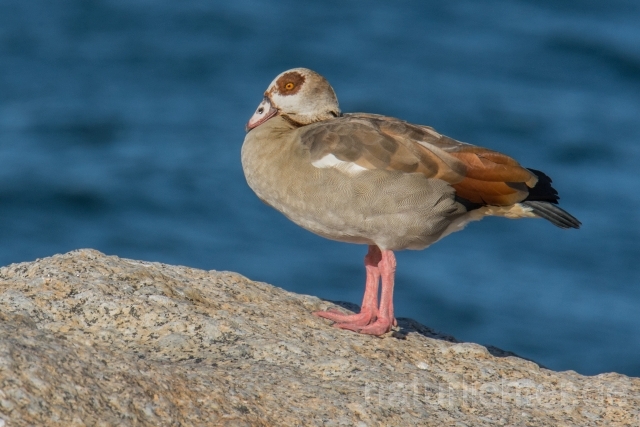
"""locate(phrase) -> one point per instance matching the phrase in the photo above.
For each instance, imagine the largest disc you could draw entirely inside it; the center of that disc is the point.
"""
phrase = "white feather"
(512, 212)
(331, 161)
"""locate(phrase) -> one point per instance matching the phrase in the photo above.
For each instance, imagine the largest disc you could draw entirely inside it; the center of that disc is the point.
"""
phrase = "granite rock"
(90, 339)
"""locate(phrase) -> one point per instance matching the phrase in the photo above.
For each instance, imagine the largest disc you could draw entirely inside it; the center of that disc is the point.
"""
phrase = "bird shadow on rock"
(406, 326)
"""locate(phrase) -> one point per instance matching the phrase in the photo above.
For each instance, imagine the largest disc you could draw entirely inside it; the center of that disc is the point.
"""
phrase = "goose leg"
(385, 319)
(369, 309)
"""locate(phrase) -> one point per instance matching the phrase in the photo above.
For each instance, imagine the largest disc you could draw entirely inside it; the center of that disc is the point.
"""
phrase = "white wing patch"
(331, 161)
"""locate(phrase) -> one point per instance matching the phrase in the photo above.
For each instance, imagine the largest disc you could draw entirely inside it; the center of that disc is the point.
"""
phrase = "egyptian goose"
(379, 181)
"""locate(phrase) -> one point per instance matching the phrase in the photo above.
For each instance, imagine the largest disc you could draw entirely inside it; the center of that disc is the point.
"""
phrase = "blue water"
(121, 124)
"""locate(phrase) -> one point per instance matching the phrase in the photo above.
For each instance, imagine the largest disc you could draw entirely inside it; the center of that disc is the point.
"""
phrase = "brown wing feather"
(491, 193)
(487, 165)
(378, 142)
(360, 141)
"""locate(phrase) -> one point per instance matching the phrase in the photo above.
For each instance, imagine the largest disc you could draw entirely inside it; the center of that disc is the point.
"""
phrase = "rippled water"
(121, 124)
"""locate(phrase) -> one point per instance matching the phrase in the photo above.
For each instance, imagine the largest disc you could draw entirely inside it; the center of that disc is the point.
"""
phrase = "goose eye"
(289, 86)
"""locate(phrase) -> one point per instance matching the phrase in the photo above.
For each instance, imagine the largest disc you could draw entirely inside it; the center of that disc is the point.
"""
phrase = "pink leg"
(372, 320)
(369, 309)
(385, 319)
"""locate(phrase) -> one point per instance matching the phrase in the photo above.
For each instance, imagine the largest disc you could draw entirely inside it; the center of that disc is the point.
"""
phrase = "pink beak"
(264, 112)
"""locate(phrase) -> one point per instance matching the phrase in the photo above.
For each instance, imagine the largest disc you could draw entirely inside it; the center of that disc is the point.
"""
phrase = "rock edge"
(90, 339)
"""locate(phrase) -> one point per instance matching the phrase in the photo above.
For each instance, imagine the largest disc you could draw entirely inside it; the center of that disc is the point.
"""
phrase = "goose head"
(299, 95)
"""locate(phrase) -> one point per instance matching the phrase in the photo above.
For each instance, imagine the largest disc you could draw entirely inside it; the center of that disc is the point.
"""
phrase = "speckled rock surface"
(89, 339)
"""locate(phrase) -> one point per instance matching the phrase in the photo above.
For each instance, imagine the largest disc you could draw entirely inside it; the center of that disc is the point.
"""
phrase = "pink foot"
(363, 318)
(379, 327)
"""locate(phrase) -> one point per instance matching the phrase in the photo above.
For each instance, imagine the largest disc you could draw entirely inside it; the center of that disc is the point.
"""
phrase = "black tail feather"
(556, 215)
(543, 191)
(542, 200)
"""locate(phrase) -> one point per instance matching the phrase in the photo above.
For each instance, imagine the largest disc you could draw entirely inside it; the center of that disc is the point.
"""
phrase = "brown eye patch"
(290, 83)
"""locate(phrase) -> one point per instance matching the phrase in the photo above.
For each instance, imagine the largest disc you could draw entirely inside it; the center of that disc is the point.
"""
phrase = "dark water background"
(121, 124)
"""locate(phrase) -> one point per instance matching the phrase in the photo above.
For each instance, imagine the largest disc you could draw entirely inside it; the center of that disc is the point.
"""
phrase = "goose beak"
(263, 113)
